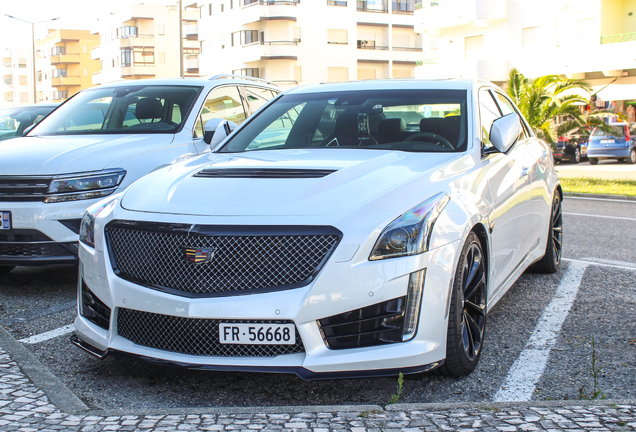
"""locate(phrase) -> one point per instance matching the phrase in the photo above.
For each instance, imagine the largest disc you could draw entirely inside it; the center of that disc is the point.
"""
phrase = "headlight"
(87, 227)
(83, 186)
(410, 233)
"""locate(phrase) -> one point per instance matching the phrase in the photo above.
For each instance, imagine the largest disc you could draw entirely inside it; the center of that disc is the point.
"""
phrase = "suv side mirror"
(505, 131)
(224, 128)
(210, 129)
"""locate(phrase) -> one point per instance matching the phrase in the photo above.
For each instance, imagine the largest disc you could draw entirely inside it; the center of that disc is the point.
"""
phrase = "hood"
(50, 155)
(357, 177)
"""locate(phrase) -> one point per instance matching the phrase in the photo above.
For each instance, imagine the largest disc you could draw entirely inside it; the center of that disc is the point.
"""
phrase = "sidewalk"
(610, 170)
(24, 407)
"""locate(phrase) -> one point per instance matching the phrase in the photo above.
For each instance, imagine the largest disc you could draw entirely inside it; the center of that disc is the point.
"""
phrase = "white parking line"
(599, 216)
(49, 335)
(627, 266)
(601, 199)
(527, 370)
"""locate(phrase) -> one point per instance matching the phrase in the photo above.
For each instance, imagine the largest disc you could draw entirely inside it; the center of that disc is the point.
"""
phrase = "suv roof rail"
(221, 76)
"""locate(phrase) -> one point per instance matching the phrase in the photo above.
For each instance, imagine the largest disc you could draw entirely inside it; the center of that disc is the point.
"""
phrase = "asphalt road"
(37, 300)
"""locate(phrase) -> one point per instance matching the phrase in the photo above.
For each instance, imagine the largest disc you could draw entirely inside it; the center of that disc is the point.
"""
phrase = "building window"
(62, 94)
(23, 80)
(144, 56)
(162, 57)
(250, 72)
(403, 6)
(379, 6)
(126, 57)
(222, 7)
(249, 2)
(336, 2)
(162, 29)
(84, 49)
(22, 63)
(337, 37)
(231, 4)
(58, 50)
(59, 73)
(245, 37)
(39, 76)
(85, 71)
(127, 32)
(8, 81)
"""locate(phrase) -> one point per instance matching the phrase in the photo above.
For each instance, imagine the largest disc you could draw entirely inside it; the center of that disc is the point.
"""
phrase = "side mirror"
(505, 131)
(224, 128)
(27, 130)
(210, 128)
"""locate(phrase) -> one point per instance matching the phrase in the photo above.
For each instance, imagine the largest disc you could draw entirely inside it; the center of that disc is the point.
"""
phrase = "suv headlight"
(83, 186)
(87, 227)
(410, 233)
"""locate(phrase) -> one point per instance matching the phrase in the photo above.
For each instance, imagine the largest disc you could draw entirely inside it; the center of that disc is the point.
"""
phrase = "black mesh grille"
(377, 324)
(18, 188)
(194, 336)
(240, 263)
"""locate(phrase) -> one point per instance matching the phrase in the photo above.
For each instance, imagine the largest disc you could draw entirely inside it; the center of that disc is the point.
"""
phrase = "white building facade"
(142, 41)
(310, 41)
(16, 86)
(589, 39)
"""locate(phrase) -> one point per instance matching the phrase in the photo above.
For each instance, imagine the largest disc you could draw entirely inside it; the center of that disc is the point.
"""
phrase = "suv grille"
(19, 188)
(243, 259)
(194, 336)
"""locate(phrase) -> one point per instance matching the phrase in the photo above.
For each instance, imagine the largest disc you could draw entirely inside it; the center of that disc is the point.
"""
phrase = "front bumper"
(42, 233)
(339, 288)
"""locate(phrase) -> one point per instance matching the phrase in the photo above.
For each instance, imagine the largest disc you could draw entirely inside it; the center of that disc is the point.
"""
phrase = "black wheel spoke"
(475, 330)
(469, 292)
(479, 308)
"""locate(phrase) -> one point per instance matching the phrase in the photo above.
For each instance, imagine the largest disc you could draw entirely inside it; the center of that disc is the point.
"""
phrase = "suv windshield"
(619, 132)
(125, 110)
(13, 121)
(408, 120)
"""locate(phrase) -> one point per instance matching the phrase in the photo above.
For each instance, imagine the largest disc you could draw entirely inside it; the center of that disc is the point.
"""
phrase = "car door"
(510, 208)
(224, 102)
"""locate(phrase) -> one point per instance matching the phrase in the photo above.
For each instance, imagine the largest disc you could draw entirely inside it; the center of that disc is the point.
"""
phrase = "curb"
(599, 196)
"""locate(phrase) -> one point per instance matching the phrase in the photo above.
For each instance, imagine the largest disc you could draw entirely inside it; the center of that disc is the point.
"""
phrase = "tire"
(593, 161)
(553, 250)
(632, 157)
(467, 313)
(5, 269)
(576, 158)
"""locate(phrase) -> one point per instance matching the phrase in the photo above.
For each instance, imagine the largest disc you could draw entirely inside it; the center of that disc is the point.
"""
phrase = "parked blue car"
(620, 145)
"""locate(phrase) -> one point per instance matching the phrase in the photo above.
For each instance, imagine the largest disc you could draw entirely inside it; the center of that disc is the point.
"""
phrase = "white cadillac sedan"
(344, 230)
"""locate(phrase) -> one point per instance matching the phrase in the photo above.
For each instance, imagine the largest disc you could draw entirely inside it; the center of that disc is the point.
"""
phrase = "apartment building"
(590, 39)
(301, 42)
(16, 86)
(63, 63)
(142, 41)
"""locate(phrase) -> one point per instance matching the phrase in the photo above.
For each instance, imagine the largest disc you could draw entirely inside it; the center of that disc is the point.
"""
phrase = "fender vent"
(271, 173)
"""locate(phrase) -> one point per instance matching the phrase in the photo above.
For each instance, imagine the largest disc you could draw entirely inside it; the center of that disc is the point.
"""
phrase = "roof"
(390, 84)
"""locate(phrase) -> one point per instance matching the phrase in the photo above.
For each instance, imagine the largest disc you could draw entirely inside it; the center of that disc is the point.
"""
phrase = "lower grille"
(378, 324)
(27, 250)
(194, 336)
(23, 235)
(93, 309)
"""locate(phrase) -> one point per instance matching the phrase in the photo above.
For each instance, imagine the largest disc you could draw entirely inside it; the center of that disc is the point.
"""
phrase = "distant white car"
(98, 143)
(15, 121)
(351, 229)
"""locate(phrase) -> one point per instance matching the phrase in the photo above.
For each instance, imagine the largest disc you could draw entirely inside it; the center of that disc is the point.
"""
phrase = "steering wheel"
(432, 138)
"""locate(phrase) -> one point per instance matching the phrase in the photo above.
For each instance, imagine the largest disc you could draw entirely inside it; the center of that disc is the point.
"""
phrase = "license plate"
(607, 141)
(6, 220)
(257, 334)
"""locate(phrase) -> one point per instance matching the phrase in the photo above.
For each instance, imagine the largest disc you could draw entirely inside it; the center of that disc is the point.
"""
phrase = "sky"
(73, 14)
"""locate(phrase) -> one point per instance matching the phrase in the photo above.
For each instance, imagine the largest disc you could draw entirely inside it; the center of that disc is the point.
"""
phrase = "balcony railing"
(336, 2)
(373, 47)
(279, 2)
(407, 49)
(625, 37)
(364, 7)
(295, 43)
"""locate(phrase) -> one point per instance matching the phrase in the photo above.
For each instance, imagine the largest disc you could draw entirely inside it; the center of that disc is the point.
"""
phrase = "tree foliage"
(541, 100)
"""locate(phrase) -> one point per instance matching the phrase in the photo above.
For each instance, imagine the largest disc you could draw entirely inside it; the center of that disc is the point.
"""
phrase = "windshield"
(14, 121)
(408, 120)
(619, 131)
(130, 110)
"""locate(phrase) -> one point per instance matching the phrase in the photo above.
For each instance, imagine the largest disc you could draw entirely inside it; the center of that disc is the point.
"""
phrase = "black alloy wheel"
(552, 258)
(467, 314)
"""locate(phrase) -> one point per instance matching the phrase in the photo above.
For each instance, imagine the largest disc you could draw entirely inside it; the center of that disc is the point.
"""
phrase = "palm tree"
(541, 100)
(586, 123)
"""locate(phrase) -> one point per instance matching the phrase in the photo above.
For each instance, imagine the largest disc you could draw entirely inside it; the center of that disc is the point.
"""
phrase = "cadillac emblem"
(198, 255)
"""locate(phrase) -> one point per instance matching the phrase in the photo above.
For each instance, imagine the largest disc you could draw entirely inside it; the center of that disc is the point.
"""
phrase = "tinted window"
(619, 131)
(224, 103)
(488, 113)
(257, 96)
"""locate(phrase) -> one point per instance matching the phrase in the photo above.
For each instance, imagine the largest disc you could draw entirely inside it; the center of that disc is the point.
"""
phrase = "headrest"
(346, 125)
(450, 124)
(391, 126)
(431, 125)
(148, 108)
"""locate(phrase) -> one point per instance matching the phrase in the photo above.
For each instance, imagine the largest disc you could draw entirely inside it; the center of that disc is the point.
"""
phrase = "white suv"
(99, 142)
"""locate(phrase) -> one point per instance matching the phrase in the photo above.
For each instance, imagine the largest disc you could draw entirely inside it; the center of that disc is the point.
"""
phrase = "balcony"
(189, 14)
(191, 32)
(191, 64)
(365, 6)
(70, 81)
(95, 53)
(264, 10)
(137, 41)
(408, 49)
(65, 59)
(138, 71)
(438, 14)
(269, 50)
(618, 38)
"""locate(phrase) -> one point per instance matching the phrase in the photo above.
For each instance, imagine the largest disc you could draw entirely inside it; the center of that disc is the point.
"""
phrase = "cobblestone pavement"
(24, 407)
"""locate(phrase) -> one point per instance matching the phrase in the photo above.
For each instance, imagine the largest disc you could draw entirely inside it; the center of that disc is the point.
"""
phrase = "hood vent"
(270, 173)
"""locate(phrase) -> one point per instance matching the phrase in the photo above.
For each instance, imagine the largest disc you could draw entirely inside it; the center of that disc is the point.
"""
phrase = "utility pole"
(35, 93)
(180, 40)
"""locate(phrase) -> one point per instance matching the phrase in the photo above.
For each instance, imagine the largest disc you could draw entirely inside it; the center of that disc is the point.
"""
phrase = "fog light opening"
(413, 304)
